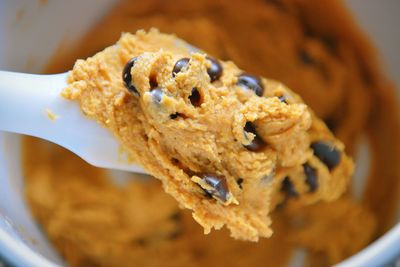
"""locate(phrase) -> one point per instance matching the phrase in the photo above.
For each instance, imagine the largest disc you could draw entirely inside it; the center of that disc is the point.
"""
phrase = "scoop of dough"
(227, 145)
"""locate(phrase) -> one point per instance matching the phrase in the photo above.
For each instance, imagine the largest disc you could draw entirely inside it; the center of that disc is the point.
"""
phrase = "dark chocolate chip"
(179, 65)
(251, 82)
(219, 186)
(157, 95)
(306, 58)
(366, 75)
(141, 242)
(281, 205)
(311, 177)
(331, 123)
(175, 161)
(198, 253)
(277, 3)
(174, 235)
(215, 70)
(176, 216)
(174, 116)
(283, 99)
(327, 153)
(257, 144)
(207, 194)
(288, 188)
(195, 97)
(127, 77)
(330, 43)
(240, 182)
(153, 81)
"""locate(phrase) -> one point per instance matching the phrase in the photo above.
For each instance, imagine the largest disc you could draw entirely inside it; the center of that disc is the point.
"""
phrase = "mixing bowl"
(32, 31)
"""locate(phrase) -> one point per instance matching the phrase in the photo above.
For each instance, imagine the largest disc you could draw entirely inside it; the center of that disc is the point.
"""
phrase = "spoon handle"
(31, 104)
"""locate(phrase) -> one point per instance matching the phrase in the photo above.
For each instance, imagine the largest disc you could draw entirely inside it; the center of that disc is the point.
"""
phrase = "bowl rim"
(15, 252)
(381, 251)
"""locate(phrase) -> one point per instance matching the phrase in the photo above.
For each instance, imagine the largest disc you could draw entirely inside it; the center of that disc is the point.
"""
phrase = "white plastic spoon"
(31, 104)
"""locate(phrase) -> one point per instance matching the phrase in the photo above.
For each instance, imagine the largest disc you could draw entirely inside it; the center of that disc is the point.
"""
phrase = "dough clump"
(227, 145)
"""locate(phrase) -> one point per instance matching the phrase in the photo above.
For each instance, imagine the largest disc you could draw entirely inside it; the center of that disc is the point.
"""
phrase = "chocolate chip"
(215, 70)
(277, 3)
(195, 97)
(141, 242)
(198, 253)
(327, 153)
(251, 82)
(174, 235)
(219, 186)
(207, 194)
(175, 161)
(153, 81)
(176, 216)
(257, 144)
(288, 188)
(127, 77)
(283, 99)
(331, 123)
(330, 43)
(174, 116)
(366, 75)
(240, 182)
(179, 65)
(306, 58)
(311, 177)
(157, 95)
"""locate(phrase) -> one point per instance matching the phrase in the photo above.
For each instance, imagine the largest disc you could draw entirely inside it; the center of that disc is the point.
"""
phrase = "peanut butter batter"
(94, 222)
(199, 126)
(328, 61)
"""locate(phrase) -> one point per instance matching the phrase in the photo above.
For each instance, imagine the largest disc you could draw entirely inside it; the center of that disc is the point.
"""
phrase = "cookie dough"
(329, 62)
(94, 221)
(221, 141)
